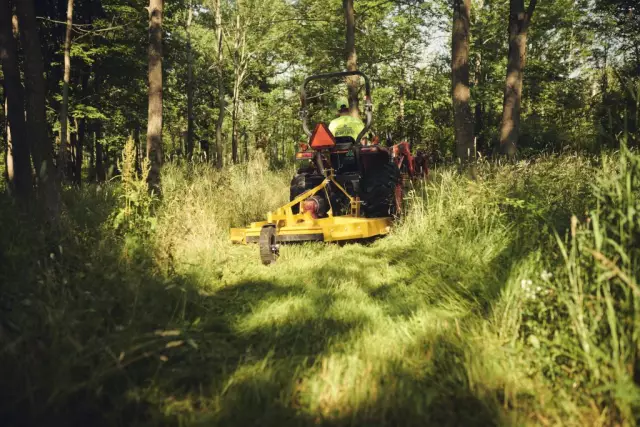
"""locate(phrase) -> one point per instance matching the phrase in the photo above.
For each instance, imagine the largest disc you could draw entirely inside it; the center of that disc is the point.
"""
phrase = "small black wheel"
(268, 246)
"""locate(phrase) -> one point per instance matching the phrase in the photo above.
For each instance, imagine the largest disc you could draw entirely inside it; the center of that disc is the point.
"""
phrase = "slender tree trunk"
(352, 58)
(81, 125)
(401, 123)
(9, 170)
(221, 103)
(17, 155)
(100, 172)
(190, 131)
(239, 71)
(72, 162)
(41, 147)
(64, 108)
(234, 129)
(245, 136)
(463, 123)
(519, 21)
(220, 122)
(91, 173)
(236, 90)
(154, 126)
(479, 107)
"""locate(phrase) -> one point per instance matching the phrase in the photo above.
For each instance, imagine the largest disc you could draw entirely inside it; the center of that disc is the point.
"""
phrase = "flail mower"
(346, 191)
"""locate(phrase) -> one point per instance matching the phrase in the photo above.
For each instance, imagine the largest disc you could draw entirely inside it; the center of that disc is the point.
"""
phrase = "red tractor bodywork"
(410, 166)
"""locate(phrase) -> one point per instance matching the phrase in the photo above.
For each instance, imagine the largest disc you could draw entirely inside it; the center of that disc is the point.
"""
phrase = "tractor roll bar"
(368, 105)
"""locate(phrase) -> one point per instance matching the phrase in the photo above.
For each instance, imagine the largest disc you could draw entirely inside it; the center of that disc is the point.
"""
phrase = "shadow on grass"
(108, 339)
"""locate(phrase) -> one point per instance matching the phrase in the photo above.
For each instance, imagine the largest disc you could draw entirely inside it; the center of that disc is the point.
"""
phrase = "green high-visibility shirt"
(346, 126)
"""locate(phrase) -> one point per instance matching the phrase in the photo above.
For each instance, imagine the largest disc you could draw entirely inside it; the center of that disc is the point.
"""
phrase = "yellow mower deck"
(301, 227)
(331, 229)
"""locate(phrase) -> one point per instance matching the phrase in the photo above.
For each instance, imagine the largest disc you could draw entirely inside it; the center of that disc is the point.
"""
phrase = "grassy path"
(179, 327)
(381, 334)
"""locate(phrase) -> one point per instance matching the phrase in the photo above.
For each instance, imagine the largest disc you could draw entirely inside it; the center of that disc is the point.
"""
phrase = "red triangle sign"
(322, 137)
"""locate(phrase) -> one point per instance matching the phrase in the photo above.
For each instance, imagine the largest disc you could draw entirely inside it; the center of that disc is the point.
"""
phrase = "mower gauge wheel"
(268, 246)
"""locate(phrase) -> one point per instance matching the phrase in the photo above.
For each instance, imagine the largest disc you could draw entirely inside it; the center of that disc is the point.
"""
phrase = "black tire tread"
(267, 237)
(379, 191)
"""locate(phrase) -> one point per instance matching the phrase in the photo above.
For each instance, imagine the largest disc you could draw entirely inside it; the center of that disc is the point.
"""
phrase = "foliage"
(136, 211)
(510, 299)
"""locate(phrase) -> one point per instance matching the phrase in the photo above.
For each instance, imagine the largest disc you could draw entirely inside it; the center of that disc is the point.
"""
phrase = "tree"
(240, 64)
(190, 132)
(19, 165)
(463, 122)
(64, 108)
(352, 58)
(154, 125)
(220, 65)
(35, 88)
(519, 21)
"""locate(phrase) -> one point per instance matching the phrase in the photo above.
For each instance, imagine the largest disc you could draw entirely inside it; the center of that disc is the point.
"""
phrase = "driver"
(345, 124)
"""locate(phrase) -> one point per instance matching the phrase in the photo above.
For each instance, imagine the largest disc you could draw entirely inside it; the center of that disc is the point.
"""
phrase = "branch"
(42, 18)
(531, 8)
(529, 14)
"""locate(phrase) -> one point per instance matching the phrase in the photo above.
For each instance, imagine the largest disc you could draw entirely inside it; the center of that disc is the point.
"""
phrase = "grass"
(467, 314)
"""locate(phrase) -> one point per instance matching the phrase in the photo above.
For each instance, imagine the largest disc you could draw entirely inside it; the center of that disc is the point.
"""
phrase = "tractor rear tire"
(301, 183)
(380, 196)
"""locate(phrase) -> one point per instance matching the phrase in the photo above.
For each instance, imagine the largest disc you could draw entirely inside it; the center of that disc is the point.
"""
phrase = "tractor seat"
(344, 142)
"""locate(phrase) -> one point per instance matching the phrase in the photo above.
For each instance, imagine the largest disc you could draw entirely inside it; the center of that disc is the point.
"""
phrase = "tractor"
(344, 190)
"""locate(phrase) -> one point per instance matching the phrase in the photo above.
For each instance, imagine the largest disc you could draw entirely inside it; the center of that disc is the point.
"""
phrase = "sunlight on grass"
(276, 313)
(458, 317)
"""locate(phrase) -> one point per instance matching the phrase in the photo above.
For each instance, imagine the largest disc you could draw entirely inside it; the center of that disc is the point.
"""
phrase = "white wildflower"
(525, 283)
(545, 275)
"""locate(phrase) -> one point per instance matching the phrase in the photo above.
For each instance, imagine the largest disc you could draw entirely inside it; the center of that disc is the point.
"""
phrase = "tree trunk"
(64, 108)
(17, 156)
(245, 136)
(91, 173)
(154, 125)
(519, 21)
(463, 123)
(479, 108)
(220, 121)
(82, 127)
(81, 124)
(352, 59)
(100, 173)
(401, 124)
(73, 146)
(9, 172)
(234, 129)
(41, 148)
(190, 136)
(236, 92)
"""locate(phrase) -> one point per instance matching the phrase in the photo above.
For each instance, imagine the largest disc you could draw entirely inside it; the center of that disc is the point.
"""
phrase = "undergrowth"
(509, 300)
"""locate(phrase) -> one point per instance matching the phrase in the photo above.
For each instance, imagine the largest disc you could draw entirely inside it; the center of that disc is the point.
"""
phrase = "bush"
(584, 317)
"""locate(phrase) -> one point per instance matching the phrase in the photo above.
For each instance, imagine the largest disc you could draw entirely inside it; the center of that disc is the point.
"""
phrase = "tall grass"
(487, 305)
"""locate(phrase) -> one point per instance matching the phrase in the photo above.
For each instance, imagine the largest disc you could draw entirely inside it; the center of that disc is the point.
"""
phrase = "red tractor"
(413, 167)
(366, 172)
(347, 190)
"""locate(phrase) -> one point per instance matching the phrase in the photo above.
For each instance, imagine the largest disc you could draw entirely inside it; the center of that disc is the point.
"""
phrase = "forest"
(137, 133)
